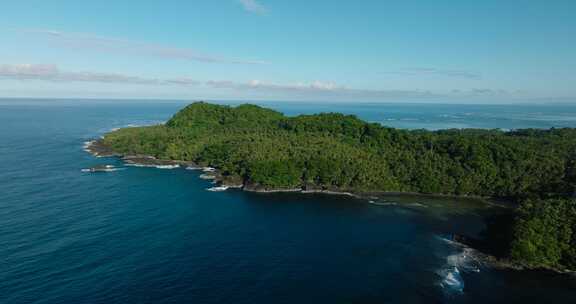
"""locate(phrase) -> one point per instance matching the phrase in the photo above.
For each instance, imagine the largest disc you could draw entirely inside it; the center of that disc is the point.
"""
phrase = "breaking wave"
(382, 203)
(450, 274)
(153, 166)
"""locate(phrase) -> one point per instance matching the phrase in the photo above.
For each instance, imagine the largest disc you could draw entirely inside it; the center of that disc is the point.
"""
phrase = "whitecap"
(452, 281)
(104, 168)
(153, 166)
(139, 165)
(167, 166)
(87, 144)
(382, 203)
(218, 188)
(464, 260)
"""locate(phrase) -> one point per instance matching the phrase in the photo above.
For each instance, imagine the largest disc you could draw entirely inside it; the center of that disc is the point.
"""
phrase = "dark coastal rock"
(231, 181)
(475, 249)
(99, 149)
(254, 187)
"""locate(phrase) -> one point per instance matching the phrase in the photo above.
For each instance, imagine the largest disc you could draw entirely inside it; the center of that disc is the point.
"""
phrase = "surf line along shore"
(98, 149)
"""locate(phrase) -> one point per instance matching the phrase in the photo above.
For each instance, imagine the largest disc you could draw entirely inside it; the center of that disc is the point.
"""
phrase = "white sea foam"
(218, 188)
(167, 166)
(86, 145)
(142, 123)
(98, 170)
(451, 279)
(153, 166)
(382, 203)
(449, 116)
(139, 165)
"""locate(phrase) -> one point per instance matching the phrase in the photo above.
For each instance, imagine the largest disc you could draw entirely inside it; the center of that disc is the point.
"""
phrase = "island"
(259, 149)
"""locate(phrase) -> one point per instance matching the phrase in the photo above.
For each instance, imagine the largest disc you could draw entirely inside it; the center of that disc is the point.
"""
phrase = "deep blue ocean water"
(146, 235)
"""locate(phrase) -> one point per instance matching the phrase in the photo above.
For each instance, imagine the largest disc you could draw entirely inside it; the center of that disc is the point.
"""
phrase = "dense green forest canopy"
(544, 233)
(336, 151)
(262, 147)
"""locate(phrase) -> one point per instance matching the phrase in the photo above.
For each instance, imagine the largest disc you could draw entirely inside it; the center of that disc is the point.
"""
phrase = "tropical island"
(259, 149)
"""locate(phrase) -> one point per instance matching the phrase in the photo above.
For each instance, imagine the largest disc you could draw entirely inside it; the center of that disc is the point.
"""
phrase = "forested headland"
(263, 149)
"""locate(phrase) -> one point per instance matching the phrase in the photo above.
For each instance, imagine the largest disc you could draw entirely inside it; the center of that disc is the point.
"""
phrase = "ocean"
(147, 235)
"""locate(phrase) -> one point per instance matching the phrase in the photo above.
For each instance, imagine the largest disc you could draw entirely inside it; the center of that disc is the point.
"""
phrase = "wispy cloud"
(123, 46)
(51, 72)
(332, 90)
(313, 89)
(253, 6)
(419, 71)
(261, 85)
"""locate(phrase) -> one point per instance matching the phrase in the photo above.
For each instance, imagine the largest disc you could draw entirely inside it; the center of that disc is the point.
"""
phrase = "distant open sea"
(146, 235)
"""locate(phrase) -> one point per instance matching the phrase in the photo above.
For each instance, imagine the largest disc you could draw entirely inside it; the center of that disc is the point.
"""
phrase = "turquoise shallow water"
(144, 235)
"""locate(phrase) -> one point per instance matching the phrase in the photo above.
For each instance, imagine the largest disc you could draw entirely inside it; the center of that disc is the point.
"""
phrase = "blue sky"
(469, 51)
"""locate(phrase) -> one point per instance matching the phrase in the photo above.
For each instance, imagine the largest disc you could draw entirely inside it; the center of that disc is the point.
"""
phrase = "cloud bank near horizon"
(424, 71)
(328, 89)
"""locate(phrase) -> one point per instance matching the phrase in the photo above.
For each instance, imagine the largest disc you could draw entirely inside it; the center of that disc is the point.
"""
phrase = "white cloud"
(313, 89)
(333, 90)
(51, 72)
(253, 6)
(437, 72)
(122, 46)
(299, 86)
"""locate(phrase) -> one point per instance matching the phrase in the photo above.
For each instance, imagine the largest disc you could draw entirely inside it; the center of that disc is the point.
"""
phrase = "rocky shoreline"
(99, 149)
(487, 260)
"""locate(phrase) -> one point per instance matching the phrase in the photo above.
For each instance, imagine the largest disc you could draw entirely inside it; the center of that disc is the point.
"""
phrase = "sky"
(364, 50)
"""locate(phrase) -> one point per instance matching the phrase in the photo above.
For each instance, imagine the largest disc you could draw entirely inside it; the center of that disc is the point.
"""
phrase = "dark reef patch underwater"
(145, 235)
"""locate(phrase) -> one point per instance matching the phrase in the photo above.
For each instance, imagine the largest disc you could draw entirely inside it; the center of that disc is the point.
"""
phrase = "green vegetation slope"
(265, 149)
